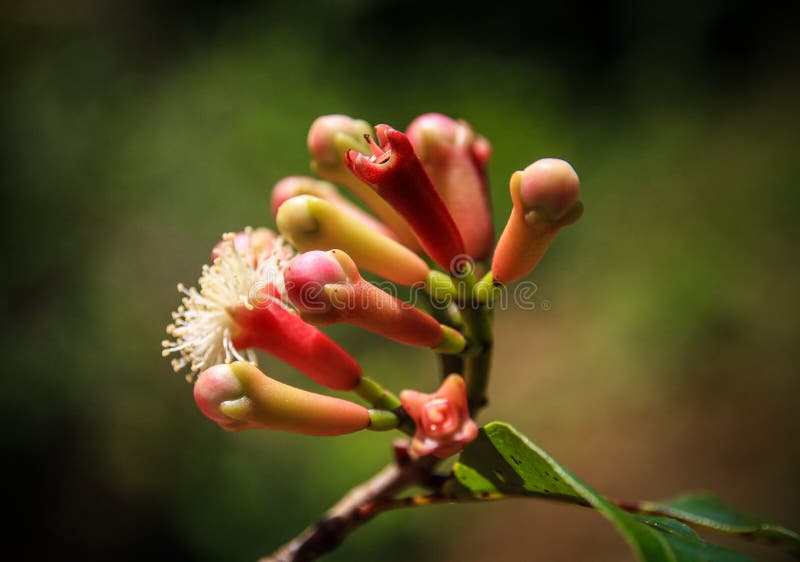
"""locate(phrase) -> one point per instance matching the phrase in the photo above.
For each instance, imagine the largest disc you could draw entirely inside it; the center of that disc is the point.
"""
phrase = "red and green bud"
(455, 160)
(326, 288)
(239, 396)
(329, 139)
(545, 198)
(397, 175)
(311, 223)
(304, 185)
(443, 422)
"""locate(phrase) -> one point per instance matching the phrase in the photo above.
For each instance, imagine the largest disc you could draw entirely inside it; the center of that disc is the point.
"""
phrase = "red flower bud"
(397, 175)
(326, 287)
(329, 138)
(283, 334)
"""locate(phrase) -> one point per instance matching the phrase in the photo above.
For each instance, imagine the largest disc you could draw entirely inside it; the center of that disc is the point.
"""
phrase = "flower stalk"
(371, 391)
(383, 420)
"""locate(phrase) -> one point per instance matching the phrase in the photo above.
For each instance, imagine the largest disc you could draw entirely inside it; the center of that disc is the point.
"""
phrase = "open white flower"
(247, 271)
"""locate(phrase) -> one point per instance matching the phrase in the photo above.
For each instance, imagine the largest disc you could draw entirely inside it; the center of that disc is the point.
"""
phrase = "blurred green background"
(662, 355)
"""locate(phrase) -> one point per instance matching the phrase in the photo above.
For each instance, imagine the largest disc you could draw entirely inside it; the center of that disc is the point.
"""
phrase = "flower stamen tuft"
(202, 330)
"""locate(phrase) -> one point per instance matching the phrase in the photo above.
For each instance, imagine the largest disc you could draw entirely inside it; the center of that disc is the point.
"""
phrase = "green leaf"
(501, 460)
(708, 511)
(497, 461)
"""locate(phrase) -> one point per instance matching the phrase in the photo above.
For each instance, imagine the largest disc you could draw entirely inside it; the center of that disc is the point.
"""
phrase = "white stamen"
(202, 330)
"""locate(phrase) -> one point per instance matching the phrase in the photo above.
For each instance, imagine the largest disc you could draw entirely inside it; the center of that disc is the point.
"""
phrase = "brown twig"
(360, 505)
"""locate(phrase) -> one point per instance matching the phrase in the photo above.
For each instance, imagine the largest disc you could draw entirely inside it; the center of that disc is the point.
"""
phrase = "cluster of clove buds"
(425, 222)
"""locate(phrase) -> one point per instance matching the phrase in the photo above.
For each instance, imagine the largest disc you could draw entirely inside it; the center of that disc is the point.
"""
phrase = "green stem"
(452, 316)
(487, 290)
(465, 286)
(477, 361)
(482, 323)
(440, 288)
(445, 311)
(372, 392)
(476, 373)
(451, 364)
(449, 315)
(383, 420)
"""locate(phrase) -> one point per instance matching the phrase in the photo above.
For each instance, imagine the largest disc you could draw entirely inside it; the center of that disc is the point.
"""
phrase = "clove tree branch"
(356, 508)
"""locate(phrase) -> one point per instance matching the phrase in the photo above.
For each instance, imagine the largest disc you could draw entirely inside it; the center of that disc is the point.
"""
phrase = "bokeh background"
(663, 352)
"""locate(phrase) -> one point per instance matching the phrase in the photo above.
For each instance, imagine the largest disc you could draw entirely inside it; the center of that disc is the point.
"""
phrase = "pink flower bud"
(304, 185)
(397, 175)
(238, 396)
(455, 161)
(545, 198)
(549, 187)
(444, 425)
(326, 287)
(329, 138)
